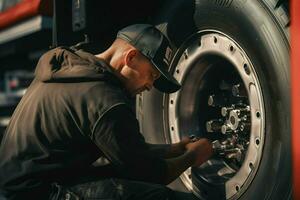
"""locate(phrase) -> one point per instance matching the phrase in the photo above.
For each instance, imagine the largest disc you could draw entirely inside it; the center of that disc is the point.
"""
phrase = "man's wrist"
(191, 157)
(177, 149)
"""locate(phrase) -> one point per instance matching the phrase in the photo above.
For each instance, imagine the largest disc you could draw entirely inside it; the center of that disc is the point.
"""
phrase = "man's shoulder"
(108, 94)
(106, 88)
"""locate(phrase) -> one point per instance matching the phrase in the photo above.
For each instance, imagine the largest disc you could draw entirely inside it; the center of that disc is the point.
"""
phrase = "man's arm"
(182, 155)
(117, 135)
(169, 150)
(197, 153)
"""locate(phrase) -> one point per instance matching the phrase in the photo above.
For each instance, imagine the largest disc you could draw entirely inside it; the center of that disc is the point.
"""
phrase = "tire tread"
(280, 10)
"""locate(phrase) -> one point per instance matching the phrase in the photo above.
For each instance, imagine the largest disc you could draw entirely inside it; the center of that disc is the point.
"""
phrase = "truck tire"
(232, 59)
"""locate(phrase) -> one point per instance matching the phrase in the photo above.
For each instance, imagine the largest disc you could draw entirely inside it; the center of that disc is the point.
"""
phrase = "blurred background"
(25, 34)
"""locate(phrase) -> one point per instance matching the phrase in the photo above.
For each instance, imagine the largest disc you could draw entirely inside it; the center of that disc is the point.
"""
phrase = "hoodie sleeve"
(118, 137)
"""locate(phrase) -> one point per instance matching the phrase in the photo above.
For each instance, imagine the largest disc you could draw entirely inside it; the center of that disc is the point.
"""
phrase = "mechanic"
(74, 134)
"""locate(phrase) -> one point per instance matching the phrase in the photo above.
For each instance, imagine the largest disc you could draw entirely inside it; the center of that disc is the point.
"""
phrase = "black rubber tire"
(261, 29)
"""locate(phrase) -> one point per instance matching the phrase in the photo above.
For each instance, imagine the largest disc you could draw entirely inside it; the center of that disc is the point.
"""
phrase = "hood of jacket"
(64, 64)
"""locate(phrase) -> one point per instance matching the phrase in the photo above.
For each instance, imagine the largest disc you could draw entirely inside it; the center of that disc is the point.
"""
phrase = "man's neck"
(109, 56)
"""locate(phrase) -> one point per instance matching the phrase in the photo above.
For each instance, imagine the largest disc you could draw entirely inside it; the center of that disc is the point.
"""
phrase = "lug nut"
(245, 118)
(217, 100)
(231, 156)
(211, 100)
(238, 91)
(216, 145)
(226, 129)
(214, 126)
(245, 126)
(224, 147)
(243, 112)
(237, 155)
(225, 111)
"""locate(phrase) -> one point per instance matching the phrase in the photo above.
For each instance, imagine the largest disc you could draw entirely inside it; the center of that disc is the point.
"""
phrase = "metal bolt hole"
(257, 141)
(247, 69)
(258, 114)
(215, 40)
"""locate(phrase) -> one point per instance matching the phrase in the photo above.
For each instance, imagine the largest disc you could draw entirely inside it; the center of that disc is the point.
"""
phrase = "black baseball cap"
(155, 46)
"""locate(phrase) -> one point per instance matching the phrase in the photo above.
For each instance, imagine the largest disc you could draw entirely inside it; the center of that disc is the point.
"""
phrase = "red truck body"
(23, 10)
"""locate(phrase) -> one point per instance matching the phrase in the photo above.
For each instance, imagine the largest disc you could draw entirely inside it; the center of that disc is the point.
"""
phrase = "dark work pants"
(116, 189)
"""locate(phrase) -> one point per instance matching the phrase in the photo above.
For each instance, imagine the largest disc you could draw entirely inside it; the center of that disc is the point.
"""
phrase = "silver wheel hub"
(220, 98)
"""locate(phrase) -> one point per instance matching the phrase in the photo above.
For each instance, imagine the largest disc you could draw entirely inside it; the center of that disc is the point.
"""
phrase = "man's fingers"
(202, 149)
(185, 140)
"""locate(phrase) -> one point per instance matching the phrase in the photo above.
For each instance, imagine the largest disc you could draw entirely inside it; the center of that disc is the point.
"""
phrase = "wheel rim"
(220, 98)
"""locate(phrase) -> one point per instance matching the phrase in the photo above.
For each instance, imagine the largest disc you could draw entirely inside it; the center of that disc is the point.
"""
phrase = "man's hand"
(185, 140)
(181, 146)
(170, 150)
(196, 153)
(201, 149)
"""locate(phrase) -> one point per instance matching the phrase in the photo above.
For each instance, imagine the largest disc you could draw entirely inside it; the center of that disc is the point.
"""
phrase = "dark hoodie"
(72, 114)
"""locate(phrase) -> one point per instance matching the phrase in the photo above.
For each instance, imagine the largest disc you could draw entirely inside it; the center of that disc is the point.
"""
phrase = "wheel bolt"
(211, 100)
(214, 126)
(226, 129)
(245, 118)
(243, 112)
(225, 111)
(238, 91)
(245, 126)
(217, 100)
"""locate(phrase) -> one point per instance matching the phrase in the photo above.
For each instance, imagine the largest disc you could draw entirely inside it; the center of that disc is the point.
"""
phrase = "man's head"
(137, 72)
(141, 55)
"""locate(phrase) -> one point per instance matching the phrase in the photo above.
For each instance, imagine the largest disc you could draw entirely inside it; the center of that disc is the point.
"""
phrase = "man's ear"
(130, 56)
